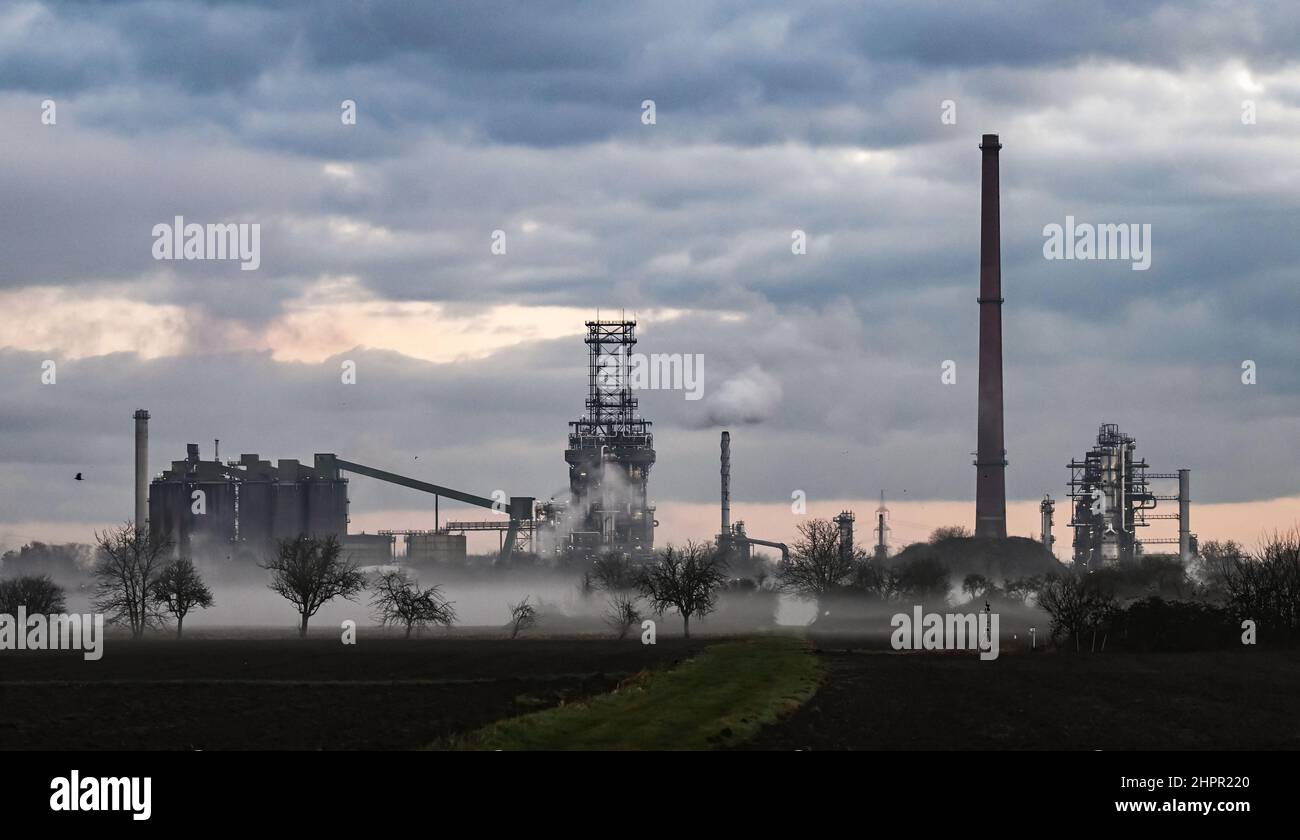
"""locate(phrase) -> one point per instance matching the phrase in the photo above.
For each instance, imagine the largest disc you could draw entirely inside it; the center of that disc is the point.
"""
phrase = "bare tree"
(686, 580)
(975, 585)
(949, 532)
(978, 587)
(871, 579)
(1064, 599)
(523, 615)
(817, 565)
(1020, 589)
(36, 593)
(398, 600)
(614, 572)
(1075, 605)
(1212, 565)
(622, 614)
(311, 572)
(1265, 586)
(128, 564)
(923, 579)
(179, 589)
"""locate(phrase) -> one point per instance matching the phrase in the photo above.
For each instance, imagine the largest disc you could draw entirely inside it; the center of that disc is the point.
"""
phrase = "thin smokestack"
(991, 457)
(141, 469)
(1184, 515)
(726, 484)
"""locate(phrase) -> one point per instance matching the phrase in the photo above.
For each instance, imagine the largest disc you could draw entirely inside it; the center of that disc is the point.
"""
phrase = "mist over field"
(479, 603)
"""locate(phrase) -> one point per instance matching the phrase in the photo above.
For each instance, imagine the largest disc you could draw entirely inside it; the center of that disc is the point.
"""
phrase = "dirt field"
(873, 700)
(388, 693)
(209, 693)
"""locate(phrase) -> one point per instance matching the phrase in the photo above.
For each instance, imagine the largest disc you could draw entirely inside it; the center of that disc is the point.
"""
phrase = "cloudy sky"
(770, 118)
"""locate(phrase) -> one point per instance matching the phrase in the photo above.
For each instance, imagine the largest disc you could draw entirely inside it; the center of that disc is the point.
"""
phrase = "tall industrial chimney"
(991, 457)
(141, 470)
(726, 486)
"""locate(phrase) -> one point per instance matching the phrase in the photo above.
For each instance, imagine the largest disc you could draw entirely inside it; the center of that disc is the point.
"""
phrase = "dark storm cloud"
(554, 74)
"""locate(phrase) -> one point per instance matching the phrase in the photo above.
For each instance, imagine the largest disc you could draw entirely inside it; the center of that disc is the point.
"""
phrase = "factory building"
(426, 548)
(368, 549)
(1112, 498)
(241, 507)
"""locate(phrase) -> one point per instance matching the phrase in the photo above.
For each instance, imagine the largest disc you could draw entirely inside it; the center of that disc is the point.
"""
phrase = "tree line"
(140, 586)
(1156, 601)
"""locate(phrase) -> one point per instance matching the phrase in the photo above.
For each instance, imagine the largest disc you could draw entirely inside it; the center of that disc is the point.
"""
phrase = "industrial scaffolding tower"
(1112, 498)
(611, 451)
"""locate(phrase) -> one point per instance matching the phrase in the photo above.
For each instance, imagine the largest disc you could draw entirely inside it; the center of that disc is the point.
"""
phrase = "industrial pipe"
(785, 550)
(1184, 515)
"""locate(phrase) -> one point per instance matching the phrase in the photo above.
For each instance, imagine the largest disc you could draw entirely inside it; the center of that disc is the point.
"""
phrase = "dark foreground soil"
(875, 700)
(310, 694)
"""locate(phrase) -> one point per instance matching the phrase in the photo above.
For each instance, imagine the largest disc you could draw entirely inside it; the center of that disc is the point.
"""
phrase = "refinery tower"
(611, 451)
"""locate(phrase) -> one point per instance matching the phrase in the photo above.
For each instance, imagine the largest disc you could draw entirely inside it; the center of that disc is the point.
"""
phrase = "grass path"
(720, 697)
